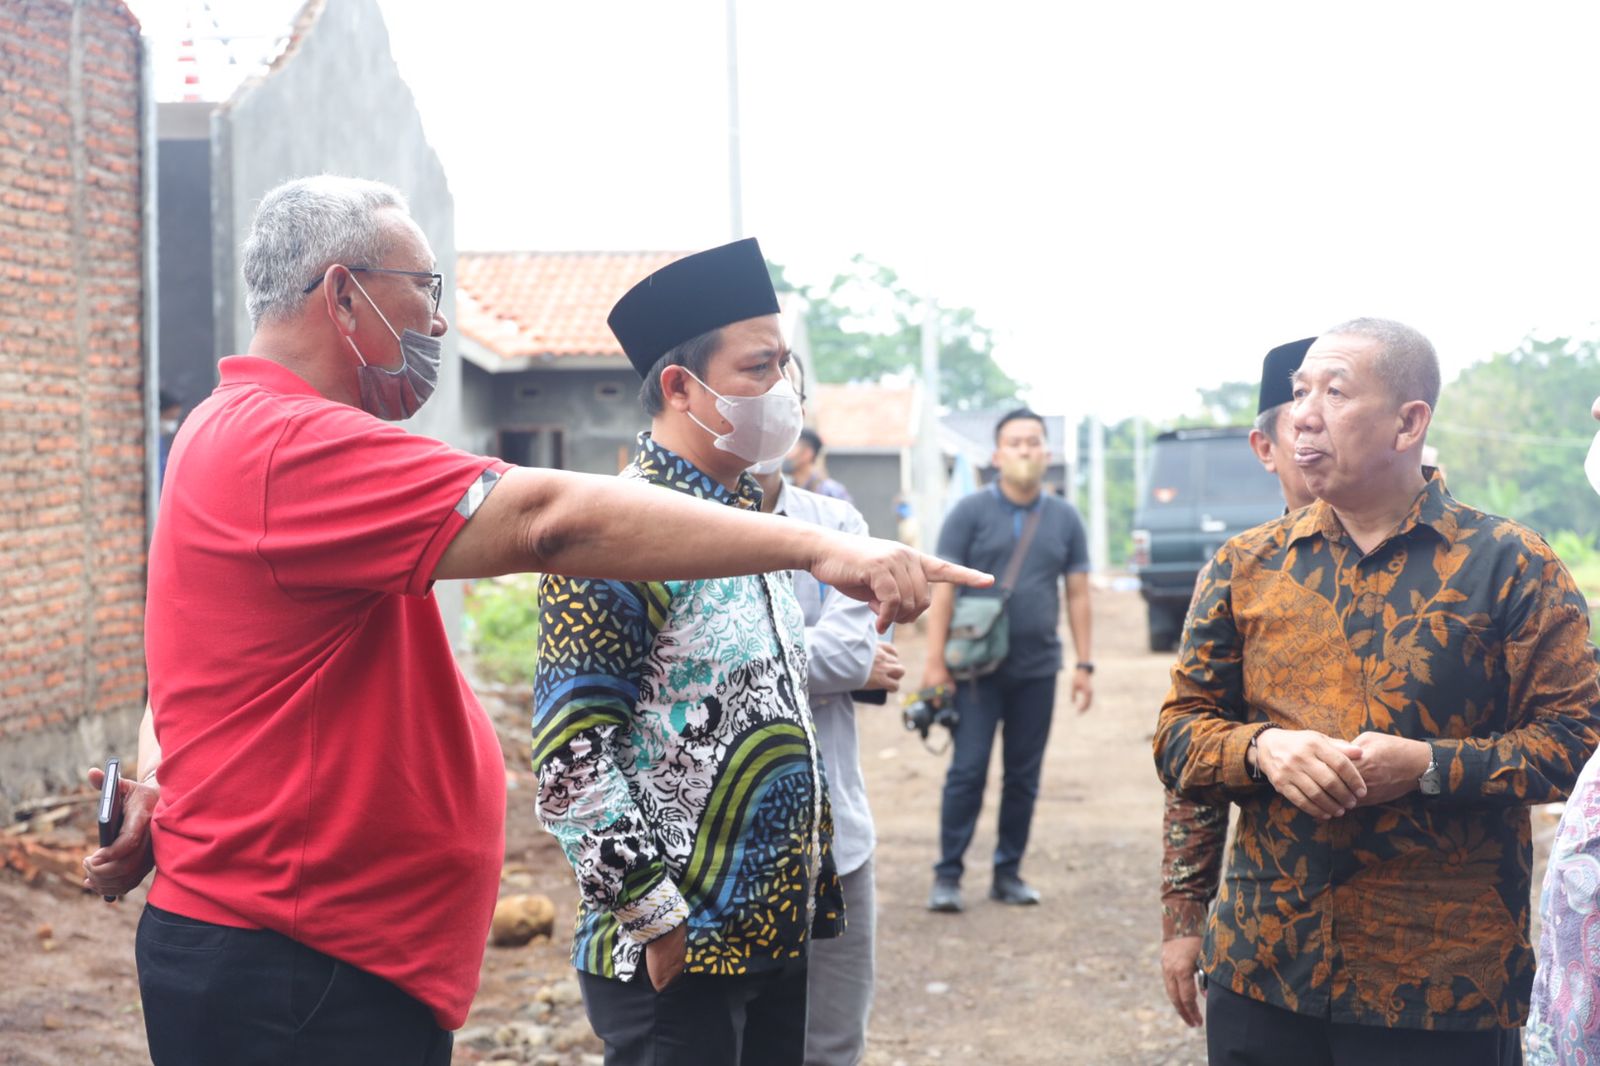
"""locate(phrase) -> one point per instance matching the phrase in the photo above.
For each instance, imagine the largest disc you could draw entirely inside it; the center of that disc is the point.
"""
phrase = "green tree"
(1513, 429)
(864, 325)
(1120, 482)
(1232, 403)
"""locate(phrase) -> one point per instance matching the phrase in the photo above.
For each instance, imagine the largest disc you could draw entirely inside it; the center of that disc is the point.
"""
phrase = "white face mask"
(771, 466)
(765, 427)
(1591, 465)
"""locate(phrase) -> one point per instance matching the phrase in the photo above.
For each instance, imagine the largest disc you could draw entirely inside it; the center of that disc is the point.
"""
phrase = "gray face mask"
(395, 395)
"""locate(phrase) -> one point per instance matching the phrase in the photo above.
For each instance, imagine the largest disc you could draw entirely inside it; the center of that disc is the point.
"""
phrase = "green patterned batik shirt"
(677, 760)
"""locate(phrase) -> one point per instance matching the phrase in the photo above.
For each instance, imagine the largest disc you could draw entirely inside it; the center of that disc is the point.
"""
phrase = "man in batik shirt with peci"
(1194, 832)
(677, 759)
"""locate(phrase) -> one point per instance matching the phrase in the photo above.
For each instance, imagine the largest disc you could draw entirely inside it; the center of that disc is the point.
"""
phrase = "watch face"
(1429, 783)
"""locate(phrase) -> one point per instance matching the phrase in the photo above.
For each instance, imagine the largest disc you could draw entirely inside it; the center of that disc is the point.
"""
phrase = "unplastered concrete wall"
(597, 411)
(73, 417)
(334, 103)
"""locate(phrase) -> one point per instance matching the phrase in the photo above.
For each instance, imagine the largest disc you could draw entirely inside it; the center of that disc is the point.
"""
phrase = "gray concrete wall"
(478, 389)
(334, 104)
(874, 481)
(187, 338)
(597, 411)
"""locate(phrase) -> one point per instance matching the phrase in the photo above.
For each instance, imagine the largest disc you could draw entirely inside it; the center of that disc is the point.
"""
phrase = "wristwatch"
(1430, 782)
(1086, 667)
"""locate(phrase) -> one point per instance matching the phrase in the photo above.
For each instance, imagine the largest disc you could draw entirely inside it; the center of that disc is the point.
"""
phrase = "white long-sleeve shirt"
(840, 643)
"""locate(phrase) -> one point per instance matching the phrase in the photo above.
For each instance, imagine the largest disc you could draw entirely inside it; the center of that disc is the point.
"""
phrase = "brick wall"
(72, 408)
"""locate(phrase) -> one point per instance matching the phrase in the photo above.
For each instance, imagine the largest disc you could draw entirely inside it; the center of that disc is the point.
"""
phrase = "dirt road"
(1074, 981)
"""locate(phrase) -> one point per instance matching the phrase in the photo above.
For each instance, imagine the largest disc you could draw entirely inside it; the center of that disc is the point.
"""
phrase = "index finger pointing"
(936, 569)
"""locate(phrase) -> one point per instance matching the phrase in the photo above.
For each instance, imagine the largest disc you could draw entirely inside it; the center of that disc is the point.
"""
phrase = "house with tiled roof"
(867, 432)
(544, 381)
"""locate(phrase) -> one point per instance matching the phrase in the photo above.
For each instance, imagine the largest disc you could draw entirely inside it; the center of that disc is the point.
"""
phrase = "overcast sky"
(1140, 198)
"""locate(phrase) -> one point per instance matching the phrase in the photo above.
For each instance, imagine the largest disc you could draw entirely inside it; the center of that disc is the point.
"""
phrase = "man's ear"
(338, 291)
(1415, 418)
(675, 387)
(1261, 444)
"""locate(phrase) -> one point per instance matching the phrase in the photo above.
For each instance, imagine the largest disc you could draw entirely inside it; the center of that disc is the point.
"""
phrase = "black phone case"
(110, 810)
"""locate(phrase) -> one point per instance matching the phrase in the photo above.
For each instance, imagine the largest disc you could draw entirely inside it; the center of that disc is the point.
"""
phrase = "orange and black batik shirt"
(1462, 629)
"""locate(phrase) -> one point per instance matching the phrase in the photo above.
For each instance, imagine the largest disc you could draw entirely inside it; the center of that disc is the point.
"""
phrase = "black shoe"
(1013, 890)
(945, 897)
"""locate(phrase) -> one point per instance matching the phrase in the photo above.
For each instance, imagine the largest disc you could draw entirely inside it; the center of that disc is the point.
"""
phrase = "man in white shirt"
(845, 655)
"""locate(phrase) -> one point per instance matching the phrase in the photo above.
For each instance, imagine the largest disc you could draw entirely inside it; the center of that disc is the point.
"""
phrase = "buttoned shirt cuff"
(1235, 770)
(1463, 774)
(1182, 917)
(652, 915)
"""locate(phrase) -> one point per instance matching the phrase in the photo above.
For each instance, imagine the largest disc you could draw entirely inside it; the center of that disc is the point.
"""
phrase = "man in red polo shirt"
(327, 795)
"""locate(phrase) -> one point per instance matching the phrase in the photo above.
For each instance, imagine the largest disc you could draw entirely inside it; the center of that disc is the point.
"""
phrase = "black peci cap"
(691, 296)
(1277, 369)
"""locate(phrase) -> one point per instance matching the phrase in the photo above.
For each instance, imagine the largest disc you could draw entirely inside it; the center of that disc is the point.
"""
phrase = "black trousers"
(249, 997)
(700, 1020)
(1020, 710)
(1243, 1032)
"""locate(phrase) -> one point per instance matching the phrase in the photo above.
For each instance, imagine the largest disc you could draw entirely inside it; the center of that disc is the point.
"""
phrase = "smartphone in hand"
(876, 696)
(110, 816)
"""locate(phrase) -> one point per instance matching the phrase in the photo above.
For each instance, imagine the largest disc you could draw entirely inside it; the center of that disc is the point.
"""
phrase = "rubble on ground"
(518, 919)
(45, 845)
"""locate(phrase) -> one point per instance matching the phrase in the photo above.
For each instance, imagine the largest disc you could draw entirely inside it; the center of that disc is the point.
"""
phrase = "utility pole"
(1098, 556)
(1141, 476)
(735, 185)
(930, 456)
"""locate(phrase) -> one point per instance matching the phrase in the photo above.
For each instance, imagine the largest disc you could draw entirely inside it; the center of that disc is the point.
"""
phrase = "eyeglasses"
(435, 290)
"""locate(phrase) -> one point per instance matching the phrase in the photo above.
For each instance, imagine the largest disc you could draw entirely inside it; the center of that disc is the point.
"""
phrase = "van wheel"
(1166, 626)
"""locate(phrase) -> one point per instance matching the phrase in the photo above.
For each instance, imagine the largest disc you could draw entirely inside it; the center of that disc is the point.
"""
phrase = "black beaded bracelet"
(1255, 771)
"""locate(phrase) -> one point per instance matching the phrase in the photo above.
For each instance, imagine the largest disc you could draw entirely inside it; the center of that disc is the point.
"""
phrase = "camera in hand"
(929, 707)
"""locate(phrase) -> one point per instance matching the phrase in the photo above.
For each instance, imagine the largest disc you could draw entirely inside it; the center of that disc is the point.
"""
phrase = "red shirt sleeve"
(352, 502)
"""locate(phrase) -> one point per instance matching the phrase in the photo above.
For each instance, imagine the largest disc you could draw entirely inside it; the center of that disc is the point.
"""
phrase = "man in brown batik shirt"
(1383, 683)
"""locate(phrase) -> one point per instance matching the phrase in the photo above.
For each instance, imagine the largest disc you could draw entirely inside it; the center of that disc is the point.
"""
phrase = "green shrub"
(503, 627)
(1582, 557)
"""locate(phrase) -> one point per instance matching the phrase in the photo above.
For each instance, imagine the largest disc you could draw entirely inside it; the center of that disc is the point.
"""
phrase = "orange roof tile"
(521, 304)
(862, 416)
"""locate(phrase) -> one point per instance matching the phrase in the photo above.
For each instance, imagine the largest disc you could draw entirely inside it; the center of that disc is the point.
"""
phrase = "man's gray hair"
(304, 226)
(1407, 363)
(1267, 421)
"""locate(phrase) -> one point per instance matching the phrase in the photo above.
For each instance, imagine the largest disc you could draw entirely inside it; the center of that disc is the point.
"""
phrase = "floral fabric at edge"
(1564, 1024)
